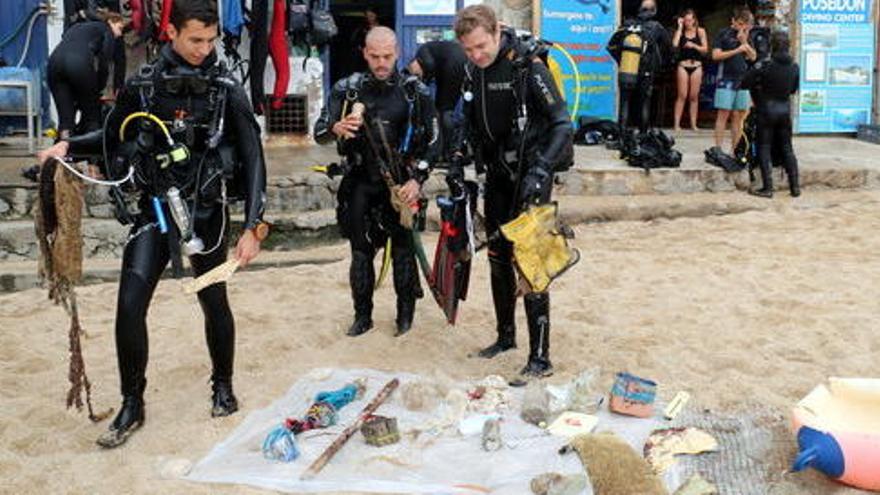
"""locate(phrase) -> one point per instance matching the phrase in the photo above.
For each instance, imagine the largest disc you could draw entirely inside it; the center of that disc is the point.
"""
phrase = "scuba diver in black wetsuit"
(642, 48)
(517, 126)
(398, 120)
(442, 62)
(78, 70)
(185, 127)
(773, 81)
(76, 11)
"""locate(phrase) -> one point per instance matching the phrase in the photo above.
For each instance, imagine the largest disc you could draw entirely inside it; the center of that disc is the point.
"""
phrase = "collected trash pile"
(371, 431)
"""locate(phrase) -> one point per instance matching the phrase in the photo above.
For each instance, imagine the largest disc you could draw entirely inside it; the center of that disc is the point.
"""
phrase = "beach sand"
(740, 310)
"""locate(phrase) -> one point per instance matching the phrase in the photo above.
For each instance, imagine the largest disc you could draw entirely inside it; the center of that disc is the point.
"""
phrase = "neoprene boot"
(406, 308)
(362, 278)
(223, 401)
(504, 298)
(794, 185)
(406, 286)
(129, 419)
(766, 190)
(538, 316)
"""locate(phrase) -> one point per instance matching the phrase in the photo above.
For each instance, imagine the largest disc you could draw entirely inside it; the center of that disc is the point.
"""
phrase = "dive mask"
(185, 81)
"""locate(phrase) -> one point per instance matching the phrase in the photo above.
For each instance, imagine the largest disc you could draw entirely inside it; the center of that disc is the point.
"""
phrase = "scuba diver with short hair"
(517, 125)
(775, 80)
(642, 48)
(77, 71)
(733, 52)
(383, 123)
(182, 126)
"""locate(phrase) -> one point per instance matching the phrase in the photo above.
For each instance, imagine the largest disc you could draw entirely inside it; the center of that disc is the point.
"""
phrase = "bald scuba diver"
(185, 128)
(78, 69)
(387, 149)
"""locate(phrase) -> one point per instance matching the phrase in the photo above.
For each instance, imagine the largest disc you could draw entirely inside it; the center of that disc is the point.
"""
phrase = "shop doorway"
(713, 15)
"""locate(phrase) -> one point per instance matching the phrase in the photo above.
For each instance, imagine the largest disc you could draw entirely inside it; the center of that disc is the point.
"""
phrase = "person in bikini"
(692, 45)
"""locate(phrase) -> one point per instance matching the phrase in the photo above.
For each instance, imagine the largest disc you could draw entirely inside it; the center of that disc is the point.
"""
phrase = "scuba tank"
(631, 57)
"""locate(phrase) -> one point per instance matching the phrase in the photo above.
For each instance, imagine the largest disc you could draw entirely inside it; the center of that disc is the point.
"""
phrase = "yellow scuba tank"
(630, 58)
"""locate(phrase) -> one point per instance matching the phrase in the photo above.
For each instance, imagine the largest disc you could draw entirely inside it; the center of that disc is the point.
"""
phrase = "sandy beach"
(740, 310)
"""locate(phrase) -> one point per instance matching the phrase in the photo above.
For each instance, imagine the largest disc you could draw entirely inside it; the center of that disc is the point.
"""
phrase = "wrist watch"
(260, 230)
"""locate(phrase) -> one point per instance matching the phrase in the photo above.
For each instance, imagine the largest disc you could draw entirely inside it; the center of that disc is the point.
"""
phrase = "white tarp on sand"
(433, 462)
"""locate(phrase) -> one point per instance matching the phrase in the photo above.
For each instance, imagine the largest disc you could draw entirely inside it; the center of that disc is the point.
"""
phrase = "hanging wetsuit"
(278, 51)
(77, 73)
(189, 100)
(775, 80)
(259, 52)
(519, 171)
(232, 23)
(364, 213)
(167, 5)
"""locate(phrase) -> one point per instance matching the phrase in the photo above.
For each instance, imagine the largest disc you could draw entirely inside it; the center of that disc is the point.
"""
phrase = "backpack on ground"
(715, 156)
(593, 131)
(648, 150)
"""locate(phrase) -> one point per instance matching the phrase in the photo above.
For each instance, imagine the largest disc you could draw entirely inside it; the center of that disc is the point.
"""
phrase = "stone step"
(311, 192)
(105, 239)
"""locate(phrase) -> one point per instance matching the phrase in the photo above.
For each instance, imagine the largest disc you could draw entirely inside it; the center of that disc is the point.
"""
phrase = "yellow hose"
(386, 264)
(145, 115)
(577, 80)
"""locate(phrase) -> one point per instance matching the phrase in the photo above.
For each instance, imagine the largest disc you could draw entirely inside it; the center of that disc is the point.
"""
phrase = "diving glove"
(536, 185)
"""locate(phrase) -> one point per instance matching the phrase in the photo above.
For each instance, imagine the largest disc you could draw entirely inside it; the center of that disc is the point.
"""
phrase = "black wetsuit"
(77, 73)
(653, 60)
(258, 29)
(491, 130)
(443, 62)
(365, 214)
(76, 11)
(773, 81)
(148, 251)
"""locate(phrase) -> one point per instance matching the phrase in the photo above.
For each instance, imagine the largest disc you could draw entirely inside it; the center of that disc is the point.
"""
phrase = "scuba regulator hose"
(577, 79)
(149, 116)
(110, 183)
(177, 153)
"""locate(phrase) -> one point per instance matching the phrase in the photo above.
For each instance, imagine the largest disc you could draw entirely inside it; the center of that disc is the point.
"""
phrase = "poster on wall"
(838, 39)
(429, 7)
(581, 29)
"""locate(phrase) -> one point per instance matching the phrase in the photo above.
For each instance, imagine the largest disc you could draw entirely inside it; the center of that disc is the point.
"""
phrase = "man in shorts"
(733, 54)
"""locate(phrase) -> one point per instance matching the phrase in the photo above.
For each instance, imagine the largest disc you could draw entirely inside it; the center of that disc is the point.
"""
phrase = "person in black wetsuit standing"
(442, 62)
(654, 54)
(399, 108)
(78, 69)
(517, 125)
(208, 134)
(773, 81)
